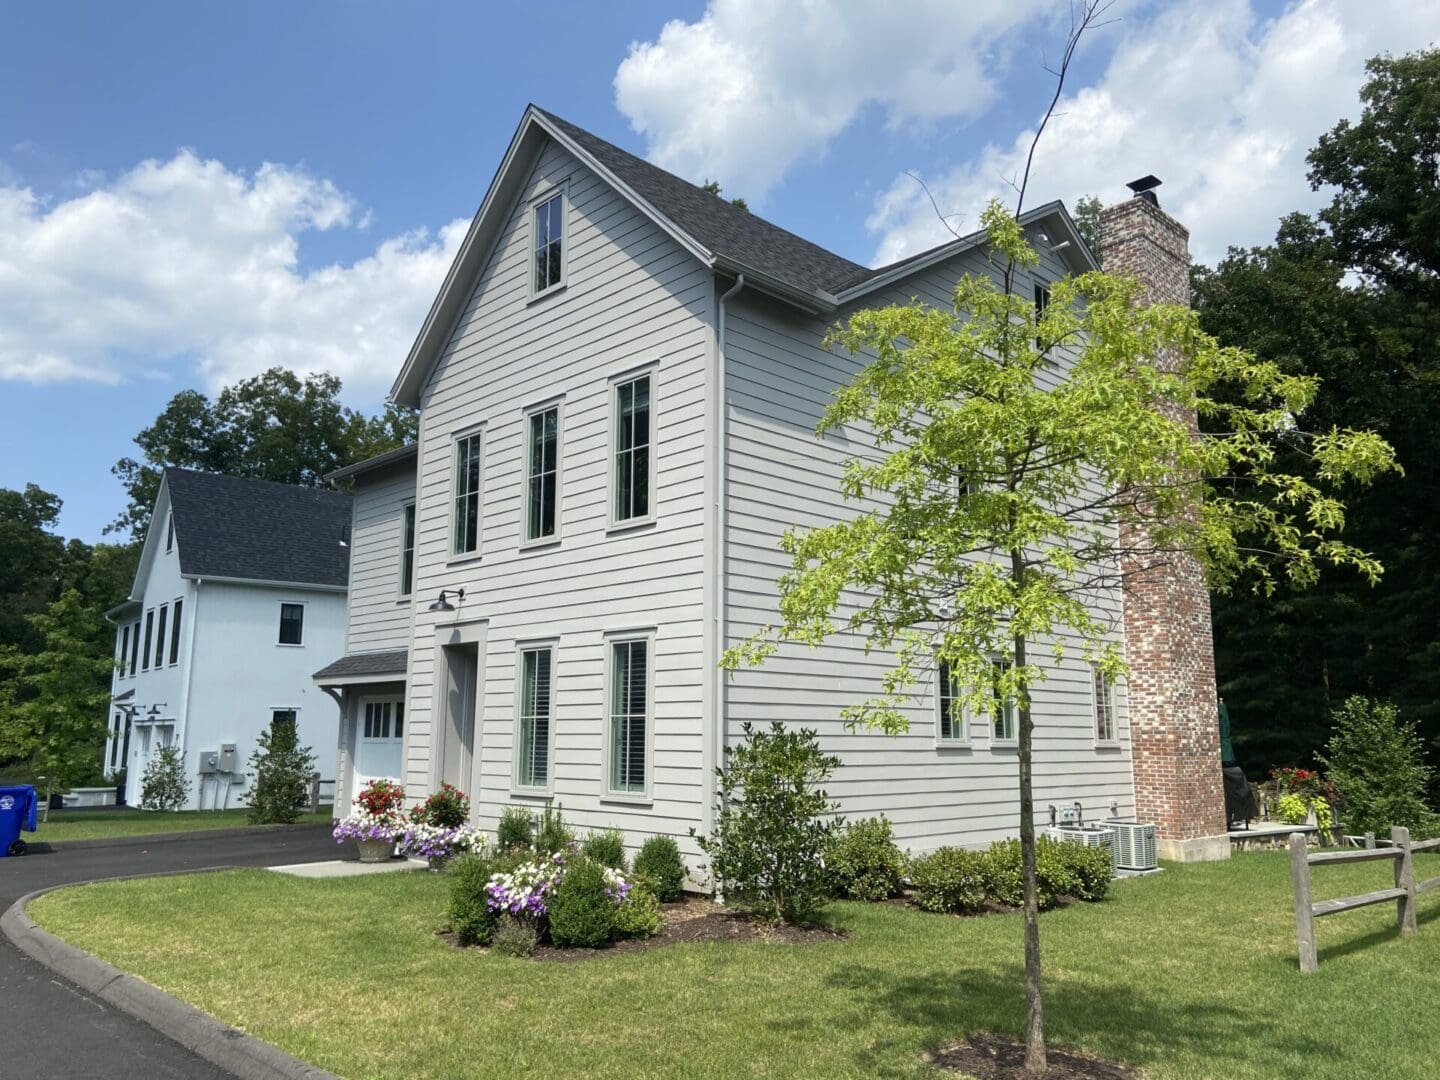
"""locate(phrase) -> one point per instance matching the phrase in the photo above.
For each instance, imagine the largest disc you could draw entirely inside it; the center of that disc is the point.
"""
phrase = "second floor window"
(1042, 301)
(632, 449)
(175, 631)
(134, 647)
(149, 637)
(542, 473)
(407, 550)
(466, 530)
(160, 636)
(1104, 690)
(549, 236)
(292, 624)
(124, 648)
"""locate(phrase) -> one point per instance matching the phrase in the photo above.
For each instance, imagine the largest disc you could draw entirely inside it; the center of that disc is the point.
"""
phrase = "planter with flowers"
(376, 821)
(439, 828)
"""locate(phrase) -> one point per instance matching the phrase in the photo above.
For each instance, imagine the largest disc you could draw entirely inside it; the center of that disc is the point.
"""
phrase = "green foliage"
(448, 808)
(469, 914)
(514, 937)
(773, 823)
(551, 832)
(660, 868)
(516, 829)
(606, 848)
(864, 862)
(1087, 220)
(1293, 809)
(164, 785)
(639, 915)
(713, 187)
(280, 770)
(582, 915)
(951, 880)
(1376, 761)
(1090, 871)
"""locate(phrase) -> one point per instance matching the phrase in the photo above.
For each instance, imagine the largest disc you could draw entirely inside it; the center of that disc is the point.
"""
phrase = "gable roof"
(722, 236)
(255, 530)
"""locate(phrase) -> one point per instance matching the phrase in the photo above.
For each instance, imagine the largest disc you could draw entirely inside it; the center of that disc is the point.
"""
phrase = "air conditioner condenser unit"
(1134, 845)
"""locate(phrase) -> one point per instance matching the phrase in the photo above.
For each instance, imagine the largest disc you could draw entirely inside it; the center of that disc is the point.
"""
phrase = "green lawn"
(1191, 973)
(101, 824)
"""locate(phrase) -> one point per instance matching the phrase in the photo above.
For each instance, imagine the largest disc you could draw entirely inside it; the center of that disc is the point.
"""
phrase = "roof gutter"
(816, 303)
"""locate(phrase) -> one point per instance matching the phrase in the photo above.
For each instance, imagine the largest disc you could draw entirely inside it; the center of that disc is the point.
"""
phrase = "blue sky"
(189, 193)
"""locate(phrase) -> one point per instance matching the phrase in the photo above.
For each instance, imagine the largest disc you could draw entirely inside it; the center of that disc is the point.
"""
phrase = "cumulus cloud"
(752, 87)
(1219, 103)
(189, 262)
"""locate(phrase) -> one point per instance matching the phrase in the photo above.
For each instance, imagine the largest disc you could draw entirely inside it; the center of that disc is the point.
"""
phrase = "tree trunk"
(1036, 1061)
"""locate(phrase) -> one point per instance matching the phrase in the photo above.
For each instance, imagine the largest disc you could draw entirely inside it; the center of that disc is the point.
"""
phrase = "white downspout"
(182, 721)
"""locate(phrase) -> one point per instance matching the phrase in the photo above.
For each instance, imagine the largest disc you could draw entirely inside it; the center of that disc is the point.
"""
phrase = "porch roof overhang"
(358, 669)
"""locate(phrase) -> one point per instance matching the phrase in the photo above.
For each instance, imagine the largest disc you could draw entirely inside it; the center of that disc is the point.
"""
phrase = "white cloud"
(752, 87)
(188, 262)
(1221, 105)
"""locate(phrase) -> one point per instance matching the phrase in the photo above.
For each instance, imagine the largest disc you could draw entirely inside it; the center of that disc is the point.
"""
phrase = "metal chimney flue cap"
(1144, 188)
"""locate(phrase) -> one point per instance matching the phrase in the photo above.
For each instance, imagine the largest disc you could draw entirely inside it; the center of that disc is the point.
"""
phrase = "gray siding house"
(618, 385)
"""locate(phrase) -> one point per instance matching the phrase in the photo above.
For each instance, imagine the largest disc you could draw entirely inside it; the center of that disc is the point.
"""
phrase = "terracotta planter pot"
(376, 851)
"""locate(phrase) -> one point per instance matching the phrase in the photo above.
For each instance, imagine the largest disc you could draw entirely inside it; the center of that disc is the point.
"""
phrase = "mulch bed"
(995, 1057)
(694, 918)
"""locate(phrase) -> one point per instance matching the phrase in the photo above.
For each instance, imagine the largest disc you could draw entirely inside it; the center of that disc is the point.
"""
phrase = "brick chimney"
(1174, 729)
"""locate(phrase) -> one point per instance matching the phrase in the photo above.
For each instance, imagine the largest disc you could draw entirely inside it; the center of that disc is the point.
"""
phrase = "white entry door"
(379, 740)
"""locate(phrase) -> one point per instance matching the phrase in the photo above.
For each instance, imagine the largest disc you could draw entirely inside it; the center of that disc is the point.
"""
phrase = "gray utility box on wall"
(218, 761)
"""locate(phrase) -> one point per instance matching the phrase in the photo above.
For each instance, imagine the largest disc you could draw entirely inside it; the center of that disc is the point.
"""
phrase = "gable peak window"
(633, 465)
(1042, 301)
(547, 226)
(542, 473)
(292, 624)
(169, 532)
(465, 538)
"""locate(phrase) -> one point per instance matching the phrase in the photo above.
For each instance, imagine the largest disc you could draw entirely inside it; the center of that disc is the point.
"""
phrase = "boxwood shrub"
(607, 848)
(470, 916)
(951, 880)
(864, 862)
(582, 916)
(660, 868)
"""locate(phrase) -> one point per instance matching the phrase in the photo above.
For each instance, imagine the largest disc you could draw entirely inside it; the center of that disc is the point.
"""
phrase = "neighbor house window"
(1042, 301)
(292, 624)
(175, 632)
(160, 635)
(1002, 709)
(134, 647)
(407, 550)
(632, 449)
(548, 232)
(124, 647)
(169, 532)
(536, 679)
(952, 708)
(282, 718)
(149, 635)
(629, 715)
(1103, 689)
(466, 531)
(542, 473)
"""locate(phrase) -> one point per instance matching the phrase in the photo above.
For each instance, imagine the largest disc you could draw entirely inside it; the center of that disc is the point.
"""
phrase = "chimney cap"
(1144, 184)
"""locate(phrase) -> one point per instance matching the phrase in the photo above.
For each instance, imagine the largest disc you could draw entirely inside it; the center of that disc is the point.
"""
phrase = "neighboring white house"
(240, 591)
(618, 387)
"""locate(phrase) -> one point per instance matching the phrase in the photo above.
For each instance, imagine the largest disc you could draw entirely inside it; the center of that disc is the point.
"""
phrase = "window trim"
(562, 191)
(169, 532)
(552, 646)
(651, 371)
(407, 524)
(162, 623)
(280, 622)
(146, 650)
(943, 742)
(474, 431)
(293, 710)
(1096, 677)
(609, 794)
(1000, 741)
(135, 649)
(558, 404)
(177, 610)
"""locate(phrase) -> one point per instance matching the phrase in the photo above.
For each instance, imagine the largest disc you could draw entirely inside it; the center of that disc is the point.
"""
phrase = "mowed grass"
(1190, 973)
(101, 824)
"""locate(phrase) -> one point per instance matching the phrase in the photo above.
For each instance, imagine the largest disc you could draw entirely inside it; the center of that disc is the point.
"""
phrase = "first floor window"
(952, 711)
(292, 624)
(1002, 710)
(542, 473)
(282, 720)
(407, 550)
(629, 714)
(465, 536)
(160, 635)
(149, 636)
(1103, 688)
(175, 632)
(533, 759)
(632, 449)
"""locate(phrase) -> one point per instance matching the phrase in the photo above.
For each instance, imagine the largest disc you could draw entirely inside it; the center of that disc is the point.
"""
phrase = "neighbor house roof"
(358, 667)
(255, 530)
(379, 461)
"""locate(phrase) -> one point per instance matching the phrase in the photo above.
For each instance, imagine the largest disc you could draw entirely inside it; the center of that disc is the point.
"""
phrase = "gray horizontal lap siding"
(632, 297)
(779, 380)
(379, 618)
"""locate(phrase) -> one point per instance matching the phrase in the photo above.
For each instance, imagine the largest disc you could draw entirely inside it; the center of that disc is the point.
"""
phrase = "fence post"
(1404, 879)
(1369, 841)
(314, 793)
(1304, 913)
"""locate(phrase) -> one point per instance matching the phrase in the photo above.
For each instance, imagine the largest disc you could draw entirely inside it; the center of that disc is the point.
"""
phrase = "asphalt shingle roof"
(356, 665)
(230, 527)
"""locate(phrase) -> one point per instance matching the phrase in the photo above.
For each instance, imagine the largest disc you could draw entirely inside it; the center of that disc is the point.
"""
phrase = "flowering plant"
(523, 890)
(382, 799)
(376, 814)
(439, 841)
(448, 808)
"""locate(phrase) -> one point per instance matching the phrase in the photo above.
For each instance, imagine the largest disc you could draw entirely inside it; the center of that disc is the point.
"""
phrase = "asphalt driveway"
(51, 1028)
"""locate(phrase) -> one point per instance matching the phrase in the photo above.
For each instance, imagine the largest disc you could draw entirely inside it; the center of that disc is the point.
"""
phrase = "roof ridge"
(209, 475)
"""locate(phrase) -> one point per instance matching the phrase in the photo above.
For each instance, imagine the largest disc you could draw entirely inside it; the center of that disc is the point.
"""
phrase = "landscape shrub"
(864, 862)
(448, 808)
(582, 909)
(551, 832)
(1005, 882)
(516, 829)
(163, 785)
(774, 824)
(950, 880)
(660, 868)
(1376, 761)
(606, 848)
(280, 770)
(514, 937)
(1090, 870)
(638, 916)
(470, 915)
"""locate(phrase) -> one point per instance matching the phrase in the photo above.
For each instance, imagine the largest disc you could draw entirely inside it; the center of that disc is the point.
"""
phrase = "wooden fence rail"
(1400, 853)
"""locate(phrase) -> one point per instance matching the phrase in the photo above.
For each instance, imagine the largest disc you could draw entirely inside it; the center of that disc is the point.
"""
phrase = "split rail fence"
(1405, 892)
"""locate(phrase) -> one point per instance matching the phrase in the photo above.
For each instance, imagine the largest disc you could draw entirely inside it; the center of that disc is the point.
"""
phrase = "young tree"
(280, 769)
(1009, 493)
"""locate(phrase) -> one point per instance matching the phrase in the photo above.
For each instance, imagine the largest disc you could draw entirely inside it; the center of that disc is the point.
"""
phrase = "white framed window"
(149, 638)
(384, 719)
(1042, 301)
(134, 648)
(542, 474)
(547, 242)
(176, 611)
(292, 624)
(534, 720)
(160, 635)
(407, 549)
(124, 648)
(1002, 708)
(169, 533)
(288, 715)
(1102, 693)
(465, 524)
(632, 471)
(950, 721)
(630, 711)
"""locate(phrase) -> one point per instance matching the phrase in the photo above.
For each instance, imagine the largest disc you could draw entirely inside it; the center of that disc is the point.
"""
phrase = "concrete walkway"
(49, 1027)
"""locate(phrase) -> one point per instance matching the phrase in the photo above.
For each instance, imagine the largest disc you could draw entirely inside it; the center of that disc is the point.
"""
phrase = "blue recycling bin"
(19, 809)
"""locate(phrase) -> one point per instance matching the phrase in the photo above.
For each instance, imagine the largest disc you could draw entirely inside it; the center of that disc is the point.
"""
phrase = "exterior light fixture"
(444, 605)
